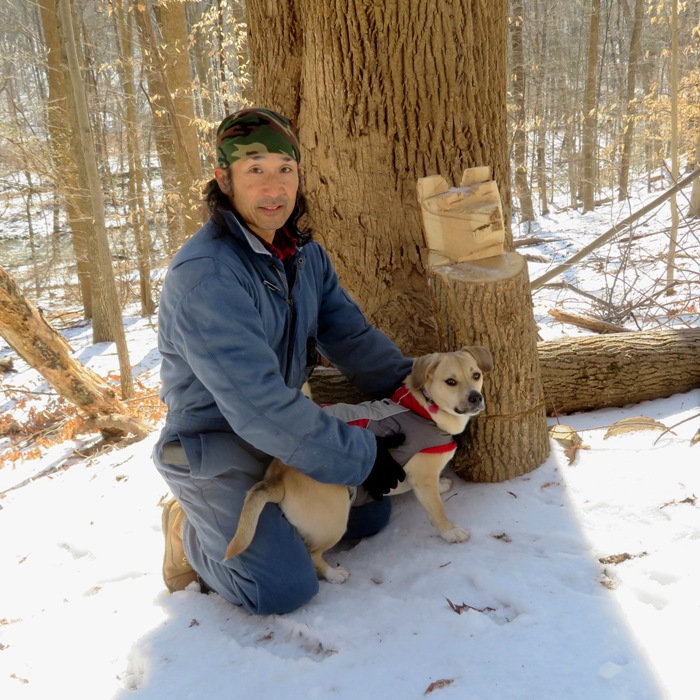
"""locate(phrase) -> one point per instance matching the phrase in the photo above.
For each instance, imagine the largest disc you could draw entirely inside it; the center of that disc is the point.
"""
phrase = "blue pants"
(275, 574)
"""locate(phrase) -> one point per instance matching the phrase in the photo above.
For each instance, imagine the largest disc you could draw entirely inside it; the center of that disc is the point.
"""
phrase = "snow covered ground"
(580, 580)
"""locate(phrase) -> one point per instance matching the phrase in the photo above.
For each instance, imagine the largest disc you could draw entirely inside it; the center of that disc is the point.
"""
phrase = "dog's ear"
(423, 368)
(482, 355)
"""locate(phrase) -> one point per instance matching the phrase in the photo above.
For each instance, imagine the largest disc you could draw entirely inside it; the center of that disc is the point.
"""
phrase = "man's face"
(263, 190)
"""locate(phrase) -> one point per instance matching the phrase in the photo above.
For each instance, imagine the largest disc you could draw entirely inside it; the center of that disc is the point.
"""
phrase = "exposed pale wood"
(40, 346)
(461, 223)
(588, 322)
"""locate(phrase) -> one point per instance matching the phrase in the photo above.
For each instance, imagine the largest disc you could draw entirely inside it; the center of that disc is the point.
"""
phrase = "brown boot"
(177, 572)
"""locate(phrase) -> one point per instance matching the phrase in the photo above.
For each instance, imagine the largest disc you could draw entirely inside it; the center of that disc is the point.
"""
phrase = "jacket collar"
(240, 231)
(405, 398)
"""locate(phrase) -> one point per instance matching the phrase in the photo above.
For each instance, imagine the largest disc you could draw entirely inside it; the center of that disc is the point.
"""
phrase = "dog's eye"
(476, 376)
(451, 382)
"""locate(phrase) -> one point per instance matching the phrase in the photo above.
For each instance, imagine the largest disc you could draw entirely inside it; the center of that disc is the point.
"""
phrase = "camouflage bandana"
(253, 131)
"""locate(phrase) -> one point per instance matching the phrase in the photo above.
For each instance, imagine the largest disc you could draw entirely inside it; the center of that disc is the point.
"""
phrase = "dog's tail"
(262, 493)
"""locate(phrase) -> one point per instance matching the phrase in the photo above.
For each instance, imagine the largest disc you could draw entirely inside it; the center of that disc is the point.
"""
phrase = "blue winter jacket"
(237, 341)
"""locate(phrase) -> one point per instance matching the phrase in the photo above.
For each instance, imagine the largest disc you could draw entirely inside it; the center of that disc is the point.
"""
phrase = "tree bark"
(177, 82)
(137, 207)
(487, 302)
(358, 79)
(162, 134)
(616, 369)
(40, 346)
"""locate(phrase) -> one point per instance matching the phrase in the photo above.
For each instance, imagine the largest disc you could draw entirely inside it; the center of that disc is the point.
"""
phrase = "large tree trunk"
(359, 80)
(40, 346)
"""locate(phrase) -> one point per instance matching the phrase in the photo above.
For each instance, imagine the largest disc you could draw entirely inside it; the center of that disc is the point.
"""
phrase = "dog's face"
(453, 380)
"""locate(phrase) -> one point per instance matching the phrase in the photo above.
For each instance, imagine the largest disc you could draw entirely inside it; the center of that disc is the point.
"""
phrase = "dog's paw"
(445, 484)
(456, 534)
(339, 574)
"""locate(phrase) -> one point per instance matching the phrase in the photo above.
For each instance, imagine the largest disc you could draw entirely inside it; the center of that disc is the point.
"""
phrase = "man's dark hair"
(218, 201)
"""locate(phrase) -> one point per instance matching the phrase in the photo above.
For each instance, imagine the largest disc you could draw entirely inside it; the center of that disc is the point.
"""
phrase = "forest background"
(602, 95)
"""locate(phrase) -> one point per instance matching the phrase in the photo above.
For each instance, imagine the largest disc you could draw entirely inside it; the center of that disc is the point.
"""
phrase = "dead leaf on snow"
(631, 425)
(696, 438)
(690, 500)
(619, 558)
(464, 607)
(569, 439)
(435, 685)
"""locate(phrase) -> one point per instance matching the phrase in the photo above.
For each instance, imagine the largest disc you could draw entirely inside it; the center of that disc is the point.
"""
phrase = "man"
(245, 304)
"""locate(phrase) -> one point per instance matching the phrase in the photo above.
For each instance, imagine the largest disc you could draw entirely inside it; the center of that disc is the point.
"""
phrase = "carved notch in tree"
(40, 346)
(481, 296)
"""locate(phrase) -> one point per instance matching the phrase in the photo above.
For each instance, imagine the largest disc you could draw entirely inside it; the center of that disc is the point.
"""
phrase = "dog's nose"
(475, 399)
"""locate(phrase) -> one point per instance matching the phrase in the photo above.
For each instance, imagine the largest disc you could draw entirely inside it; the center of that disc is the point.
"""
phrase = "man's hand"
(386, 471)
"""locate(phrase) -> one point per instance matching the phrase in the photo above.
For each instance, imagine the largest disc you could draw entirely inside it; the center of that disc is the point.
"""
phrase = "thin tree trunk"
(177, 84)
(628, 129)
(163, 134)
(136, 177)
(107, 324)
(522, 188)
(590, 119)
(694, 207)
(541, 110)
(675, 170)
(603, 238)
(72, 182)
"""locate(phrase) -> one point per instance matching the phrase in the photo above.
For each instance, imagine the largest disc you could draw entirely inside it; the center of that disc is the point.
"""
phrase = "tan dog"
(446, 389)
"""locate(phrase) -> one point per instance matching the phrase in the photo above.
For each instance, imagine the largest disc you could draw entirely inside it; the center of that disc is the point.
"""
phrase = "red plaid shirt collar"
(283, 246)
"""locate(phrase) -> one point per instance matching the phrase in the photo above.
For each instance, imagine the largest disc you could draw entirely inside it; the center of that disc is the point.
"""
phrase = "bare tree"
(522, 188)
(107, 319)
(589, 148)
(630, 117)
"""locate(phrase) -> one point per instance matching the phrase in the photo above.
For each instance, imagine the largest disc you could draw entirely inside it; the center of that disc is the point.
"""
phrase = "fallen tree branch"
(588, 322)
(613, 230)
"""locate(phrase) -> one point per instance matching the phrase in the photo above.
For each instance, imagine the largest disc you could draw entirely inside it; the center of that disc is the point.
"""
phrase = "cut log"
(40, 346)
(586, 374)
(616, 369)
